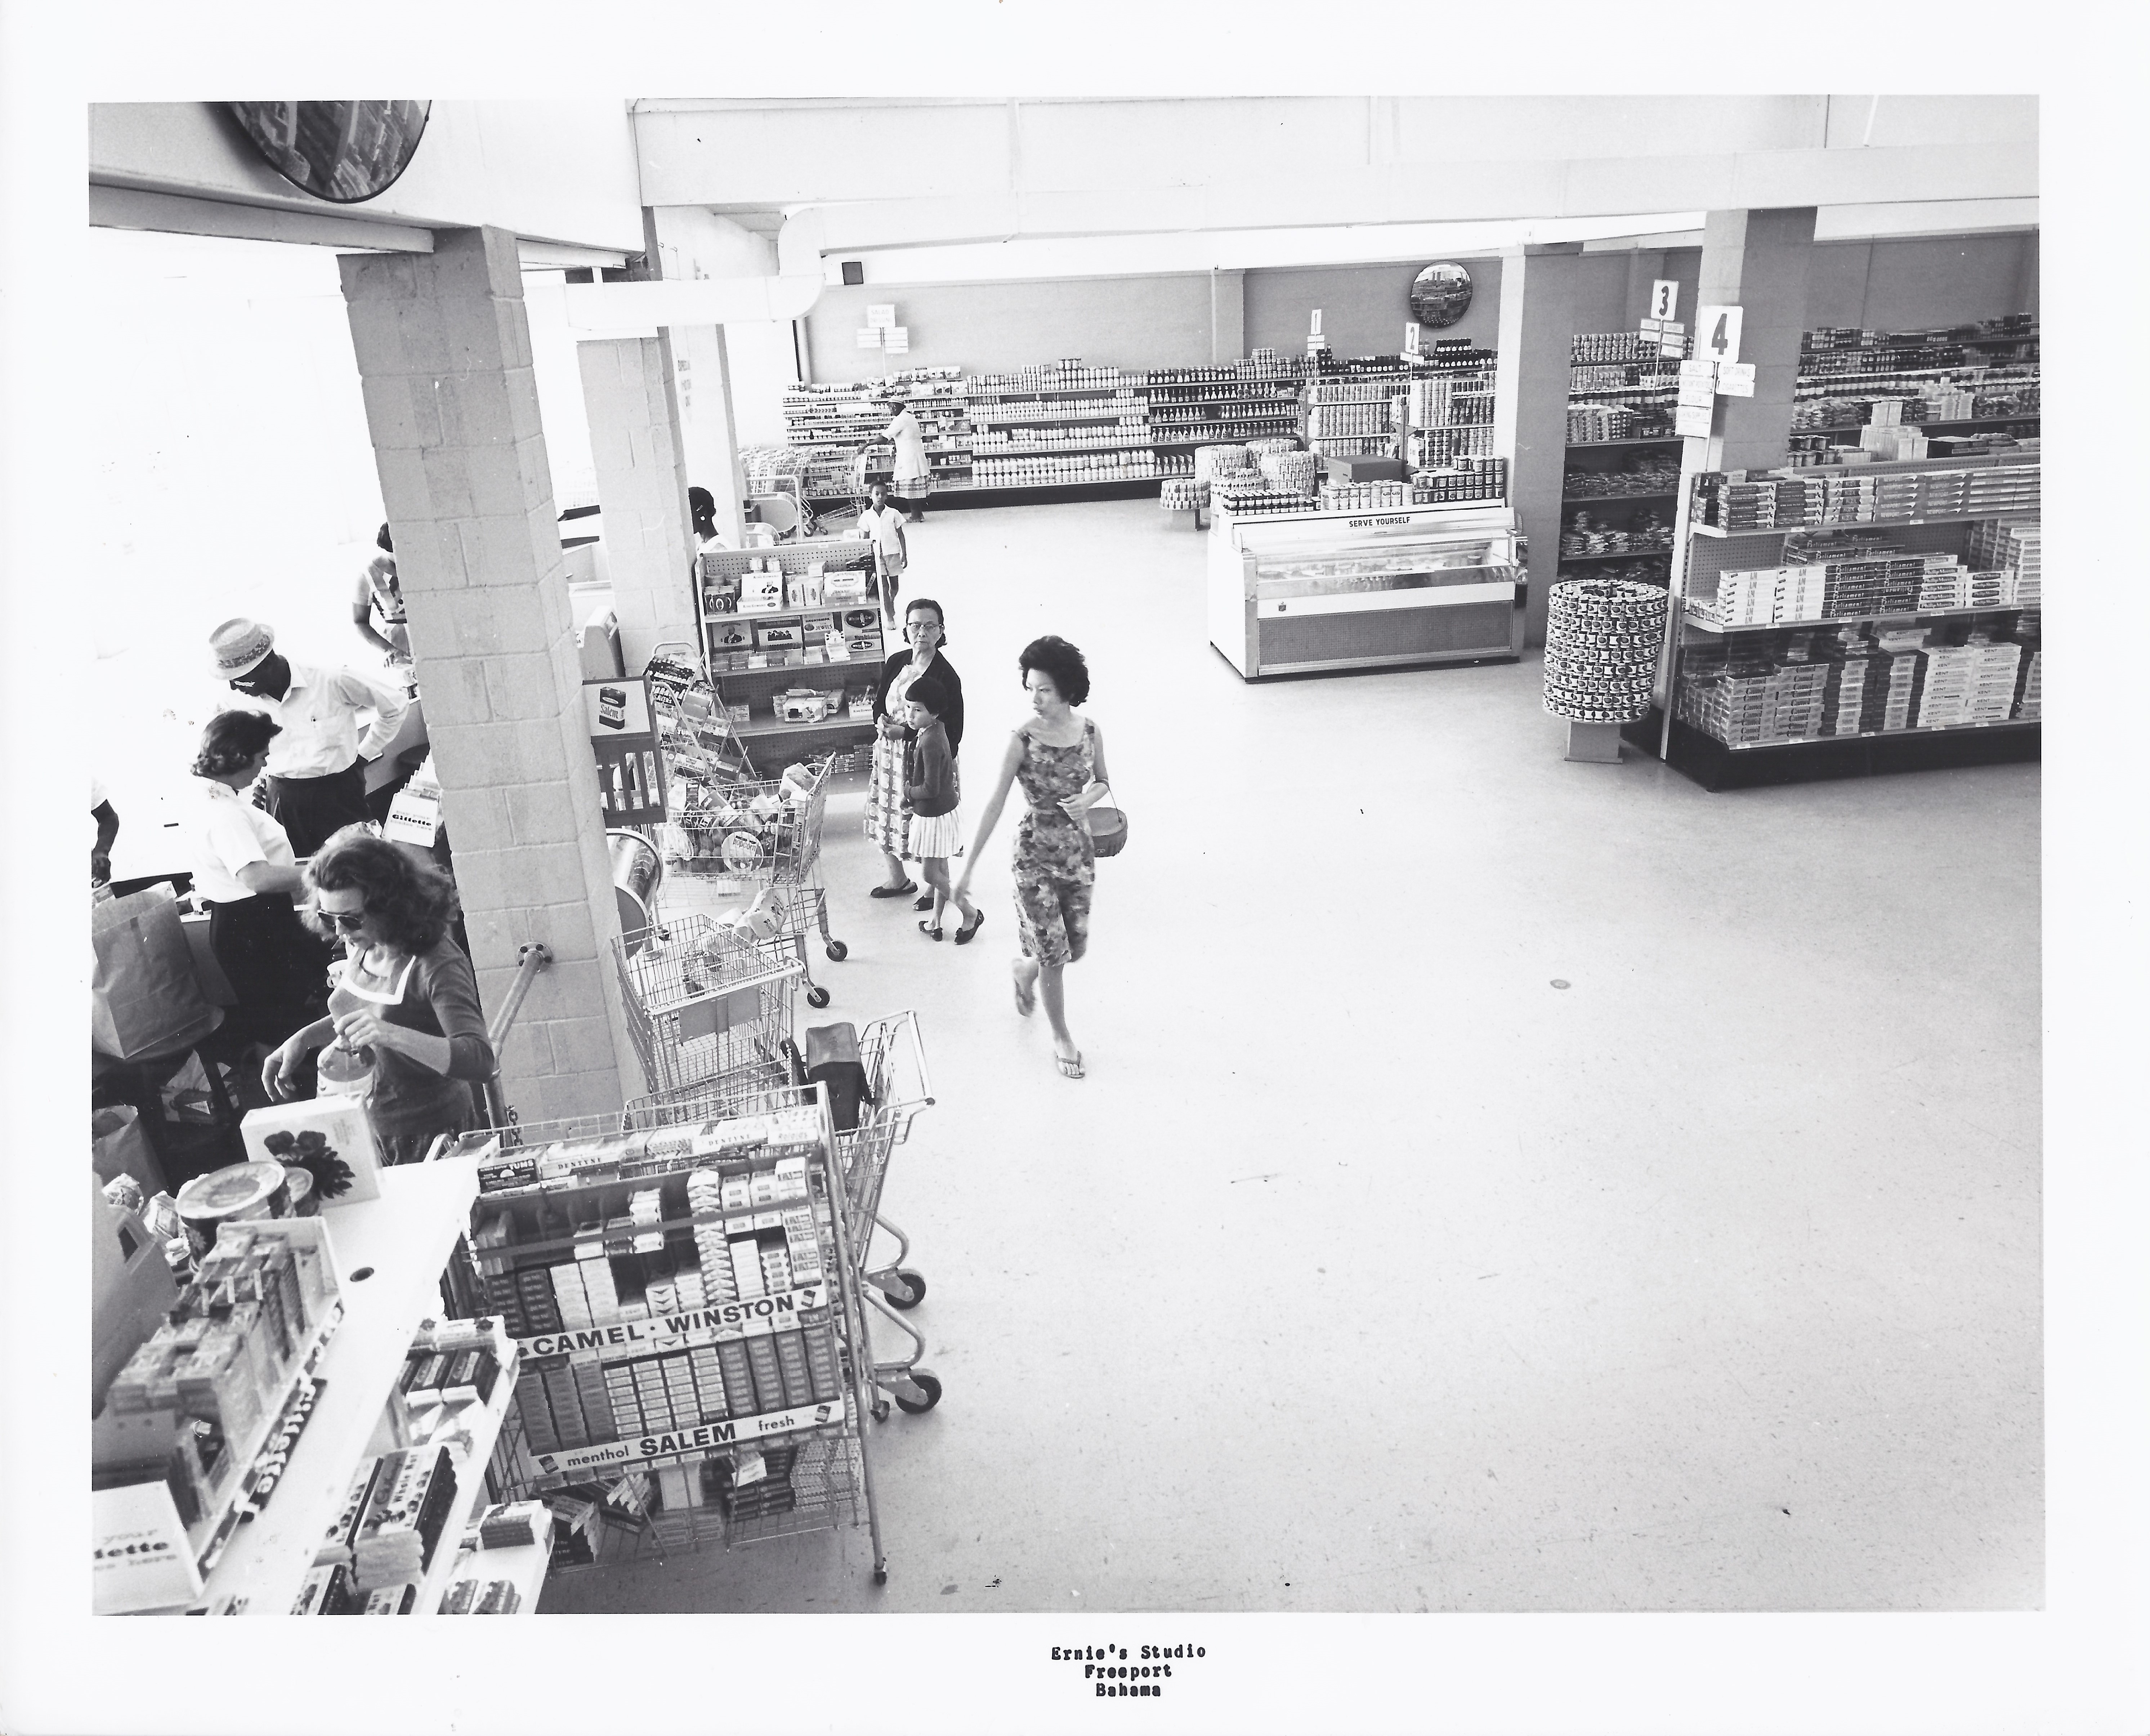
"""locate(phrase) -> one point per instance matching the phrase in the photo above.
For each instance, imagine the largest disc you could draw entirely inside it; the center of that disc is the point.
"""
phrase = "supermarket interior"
(1125, 856)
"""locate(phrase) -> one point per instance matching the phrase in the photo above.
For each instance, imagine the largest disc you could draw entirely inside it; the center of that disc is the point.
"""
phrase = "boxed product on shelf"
(329, 1136)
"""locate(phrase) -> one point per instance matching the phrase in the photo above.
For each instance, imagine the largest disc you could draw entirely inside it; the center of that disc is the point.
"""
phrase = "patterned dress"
(887, 823)
(1055, 867)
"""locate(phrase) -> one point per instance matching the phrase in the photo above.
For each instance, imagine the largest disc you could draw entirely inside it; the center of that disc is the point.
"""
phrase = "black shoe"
(904, 891)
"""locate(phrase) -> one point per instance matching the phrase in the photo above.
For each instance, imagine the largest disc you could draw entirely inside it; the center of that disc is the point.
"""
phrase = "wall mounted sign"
(1440, 296)
(342, 152)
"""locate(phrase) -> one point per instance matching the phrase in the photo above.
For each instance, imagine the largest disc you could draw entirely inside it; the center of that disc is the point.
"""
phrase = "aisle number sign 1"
(1717, 332)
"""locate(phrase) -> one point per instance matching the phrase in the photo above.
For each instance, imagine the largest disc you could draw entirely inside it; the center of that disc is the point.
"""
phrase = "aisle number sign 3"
(1664, 299)
(1717, 332)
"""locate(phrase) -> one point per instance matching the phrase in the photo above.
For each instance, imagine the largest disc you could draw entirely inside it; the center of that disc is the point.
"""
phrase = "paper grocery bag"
(143, 997)
(119, 1146)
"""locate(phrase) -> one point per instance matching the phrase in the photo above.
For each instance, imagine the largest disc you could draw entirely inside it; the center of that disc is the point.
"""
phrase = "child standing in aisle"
(934, 796)
(882, 525)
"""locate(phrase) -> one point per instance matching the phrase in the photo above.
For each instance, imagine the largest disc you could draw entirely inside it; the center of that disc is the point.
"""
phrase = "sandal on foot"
(1070, 1066)
(924, 901)
(907, 887)
(1026, 998)
(966, 931)
(931, 930)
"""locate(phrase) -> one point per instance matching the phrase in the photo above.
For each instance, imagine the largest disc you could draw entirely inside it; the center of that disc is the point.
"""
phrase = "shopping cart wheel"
(929, 1389)
(909, 1295)
(817, 996)
(839, 952)
(880, 1409)
(881, 1576)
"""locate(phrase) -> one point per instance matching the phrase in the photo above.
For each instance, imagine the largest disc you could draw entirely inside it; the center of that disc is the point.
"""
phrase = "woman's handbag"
(1107, 821)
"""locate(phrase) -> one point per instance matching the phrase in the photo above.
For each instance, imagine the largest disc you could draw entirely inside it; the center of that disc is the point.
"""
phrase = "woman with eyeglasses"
(888, 814)
(407, 993)
(244, 871)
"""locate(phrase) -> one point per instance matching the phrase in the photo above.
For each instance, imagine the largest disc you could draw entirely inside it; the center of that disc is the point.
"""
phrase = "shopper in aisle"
(244, 871)
(107, 834)
(1058, 757)
(407, 993)
(931, 793)
(317, 764)
(880, 524)
(380, 595)
(914, 475)
(925, 631)
(702, 506)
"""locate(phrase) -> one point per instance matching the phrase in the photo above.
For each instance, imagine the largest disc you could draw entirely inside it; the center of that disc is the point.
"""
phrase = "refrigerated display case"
(1326, 592)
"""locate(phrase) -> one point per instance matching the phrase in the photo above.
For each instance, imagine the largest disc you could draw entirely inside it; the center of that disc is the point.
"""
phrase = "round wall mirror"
(1441, 294)
(342, 152)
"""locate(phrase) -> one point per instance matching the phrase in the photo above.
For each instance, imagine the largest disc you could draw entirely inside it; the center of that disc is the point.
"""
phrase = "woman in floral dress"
(1058, 757)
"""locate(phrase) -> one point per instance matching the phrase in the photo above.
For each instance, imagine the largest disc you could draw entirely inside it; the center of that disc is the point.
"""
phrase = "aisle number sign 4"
(1717, 332)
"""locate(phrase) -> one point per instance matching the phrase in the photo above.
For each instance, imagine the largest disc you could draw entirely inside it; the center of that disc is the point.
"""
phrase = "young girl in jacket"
(930, 790)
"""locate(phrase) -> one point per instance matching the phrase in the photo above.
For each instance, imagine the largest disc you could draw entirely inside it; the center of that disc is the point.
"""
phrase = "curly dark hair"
(1053, 657)
(231, 739)
(413, 902)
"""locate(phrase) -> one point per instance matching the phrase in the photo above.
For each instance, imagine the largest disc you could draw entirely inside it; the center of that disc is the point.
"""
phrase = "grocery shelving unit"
(1627, 486)
(1063, 432)
(389, 1253)
(1732, 681)
(1984, 380)
(793, 647)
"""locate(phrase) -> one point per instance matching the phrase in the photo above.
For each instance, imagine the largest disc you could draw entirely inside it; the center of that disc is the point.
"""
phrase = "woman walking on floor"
(887, 814)
(1058, 757)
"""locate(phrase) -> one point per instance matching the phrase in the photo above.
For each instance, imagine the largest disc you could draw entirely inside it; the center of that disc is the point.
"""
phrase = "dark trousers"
(277, 967)
(311, 808)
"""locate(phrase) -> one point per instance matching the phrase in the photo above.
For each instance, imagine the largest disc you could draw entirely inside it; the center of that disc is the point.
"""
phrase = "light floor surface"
(1369, 1271)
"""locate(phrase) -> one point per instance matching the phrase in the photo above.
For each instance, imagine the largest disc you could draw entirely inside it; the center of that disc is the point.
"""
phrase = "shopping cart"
(703, 1000)
(570, 1175)
(744, 838)
(897, 1087)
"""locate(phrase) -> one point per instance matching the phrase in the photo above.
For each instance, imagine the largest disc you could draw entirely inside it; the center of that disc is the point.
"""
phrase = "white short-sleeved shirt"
(884, 528)
(910, 440)
(227, 832)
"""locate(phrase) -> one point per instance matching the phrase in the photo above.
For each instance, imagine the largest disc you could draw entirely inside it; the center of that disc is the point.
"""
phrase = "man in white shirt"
(914, 475)
(882, 525)
(316, 770)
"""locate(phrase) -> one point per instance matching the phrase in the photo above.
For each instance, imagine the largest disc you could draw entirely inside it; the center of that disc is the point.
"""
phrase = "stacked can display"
(1602, 641)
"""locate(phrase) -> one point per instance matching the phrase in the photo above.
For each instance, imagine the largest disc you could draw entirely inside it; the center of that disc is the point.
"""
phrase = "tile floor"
(1368, 1270)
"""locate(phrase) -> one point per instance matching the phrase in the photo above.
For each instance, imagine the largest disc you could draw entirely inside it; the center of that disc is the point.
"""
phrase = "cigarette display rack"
(685, 1299)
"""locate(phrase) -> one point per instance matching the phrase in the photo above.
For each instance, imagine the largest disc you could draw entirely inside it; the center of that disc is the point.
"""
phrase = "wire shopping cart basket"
(897, 1086)
(685, 1300)
(703, 997)
(749, 837)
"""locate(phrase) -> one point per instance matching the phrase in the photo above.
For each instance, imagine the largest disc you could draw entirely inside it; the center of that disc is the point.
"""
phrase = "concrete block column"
(633, 414)
(708, 433)
(1757, 261)
(443, 349)
(1539, 285)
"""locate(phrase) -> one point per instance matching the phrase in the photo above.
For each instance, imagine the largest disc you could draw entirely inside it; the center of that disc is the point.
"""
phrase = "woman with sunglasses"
(888, 814)
(406, 992)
